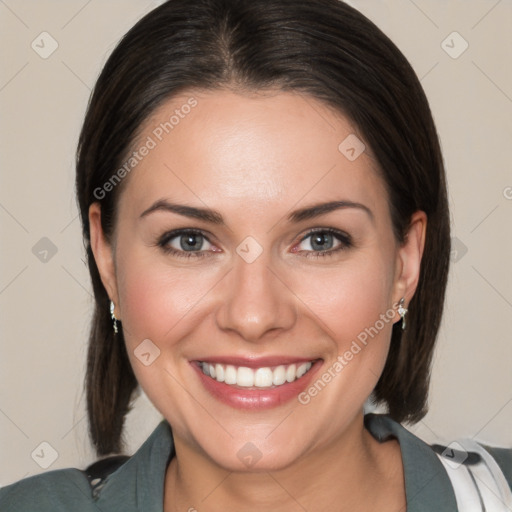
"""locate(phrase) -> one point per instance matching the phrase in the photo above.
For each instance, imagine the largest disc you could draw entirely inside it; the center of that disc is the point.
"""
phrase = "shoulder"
(442, 474)
(478, 473)
(474, 455)
(127, 484)
(426, 482)
(55, 491)
(503, 457)
(69, 489)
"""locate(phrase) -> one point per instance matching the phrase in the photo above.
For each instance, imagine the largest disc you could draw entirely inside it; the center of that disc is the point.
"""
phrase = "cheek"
(155, 299)
(353, 302)
(159, 304)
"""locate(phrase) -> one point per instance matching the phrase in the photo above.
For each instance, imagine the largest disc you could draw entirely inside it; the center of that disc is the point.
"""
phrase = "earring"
(114, 319)
(402, 311)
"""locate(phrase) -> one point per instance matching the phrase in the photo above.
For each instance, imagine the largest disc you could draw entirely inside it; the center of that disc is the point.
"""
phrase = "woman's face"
(254, 243)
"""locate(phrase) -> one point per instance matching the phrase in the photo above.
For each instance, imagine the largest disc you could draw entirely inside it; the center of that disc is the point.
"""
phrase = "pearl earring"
(113, 316)
(402, 311)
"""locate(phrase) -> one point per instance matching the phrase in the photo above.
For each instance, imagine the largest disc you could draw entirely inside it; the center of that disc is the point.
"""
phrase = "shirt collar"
(138, 485)
(427, 485)
(141, 479)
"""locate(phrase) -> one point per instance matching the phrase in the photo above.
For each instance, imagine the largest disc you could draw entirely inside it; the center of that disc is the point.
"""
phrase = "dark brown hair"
(322, 48)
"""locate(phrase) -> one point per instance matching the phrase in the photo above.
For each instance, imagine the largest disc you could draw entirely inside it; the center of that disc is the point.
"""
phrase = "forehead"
(255, 150)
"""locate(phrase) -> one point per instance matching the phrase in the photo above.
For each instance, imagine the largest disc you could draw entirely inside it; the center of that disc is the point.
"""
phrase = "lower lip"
(264, 398)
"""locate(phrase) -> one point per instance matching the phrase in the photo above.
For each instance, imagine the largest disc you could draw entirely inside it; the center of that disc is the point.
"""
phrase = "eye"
(185, 243)
(324, 242)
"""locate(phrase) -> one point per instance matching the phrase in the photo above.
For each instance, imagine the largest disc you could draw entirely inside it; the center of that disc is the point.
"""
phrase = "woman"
(265, 215)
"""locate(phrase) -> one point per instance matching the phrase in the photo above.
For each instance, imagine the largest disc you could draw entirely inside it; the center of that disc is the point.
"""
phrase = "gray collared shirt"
(138, 485)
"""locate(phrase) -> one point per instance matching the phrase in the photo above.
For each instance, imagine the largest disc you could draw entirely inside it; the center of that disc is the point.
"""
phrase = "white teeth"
(291, 373)
(245, 377)
(279, 376)
(261, 377)
(219, 371)
(229, 374)
(301, 370)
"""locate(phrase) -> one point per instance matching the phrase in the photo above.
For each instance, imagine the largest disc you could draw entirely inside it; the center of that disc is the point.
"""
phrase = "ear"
(103, 254)
(409, 256)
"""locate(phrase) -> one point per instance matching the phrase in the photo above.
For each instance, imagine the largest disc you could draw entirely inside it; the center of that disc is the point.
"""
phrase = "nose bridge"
(254, 300)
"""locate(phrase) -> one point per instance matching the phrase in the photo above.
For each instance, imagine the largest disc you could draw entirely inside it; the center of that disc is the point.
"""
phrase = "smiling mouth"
(261, 378)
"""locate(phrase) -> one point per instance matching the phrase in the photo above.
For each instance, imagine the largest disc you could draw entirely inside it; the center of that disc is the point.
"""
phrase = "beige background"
(45, 306)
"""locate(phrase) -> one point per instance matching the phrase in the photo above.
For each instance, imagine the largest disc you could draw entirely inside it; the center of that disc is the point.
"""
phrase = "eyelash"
(344, 238)
(167, 237)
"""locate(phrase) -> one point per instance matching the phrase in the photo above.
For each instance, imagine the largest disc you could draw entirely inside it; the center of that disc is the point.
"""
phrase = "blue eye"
(324, 242)
(185, 243)
(189, 243)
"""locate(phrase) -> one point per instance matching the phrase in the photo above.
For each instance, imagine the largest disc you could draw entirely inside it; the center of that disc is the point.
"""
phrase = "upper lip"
(257, 362)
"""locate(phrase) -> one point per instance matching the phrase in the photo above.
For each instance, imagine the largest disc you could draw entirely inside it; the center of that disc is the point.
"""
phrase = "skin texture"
(255, 158)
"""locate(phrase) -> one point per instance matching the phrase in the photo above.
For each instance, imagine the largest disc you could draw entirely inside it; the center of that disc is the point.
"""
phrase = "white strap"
(491, 480)
(466, 493)
(477, 487)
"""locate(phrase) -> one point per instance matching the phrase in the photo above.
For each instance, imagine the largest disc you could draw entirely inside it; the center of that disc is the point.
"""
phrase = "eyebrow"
(214, 217)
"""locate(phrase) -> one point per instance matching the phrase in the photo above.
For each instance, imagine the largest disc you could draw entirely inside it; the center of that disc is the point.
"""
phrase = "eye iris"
(322, 241)
(191, 241)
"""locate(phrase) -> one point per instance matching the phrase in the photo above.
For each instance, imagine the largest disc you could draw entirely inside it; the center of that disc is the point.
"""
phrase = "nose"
(255, 301)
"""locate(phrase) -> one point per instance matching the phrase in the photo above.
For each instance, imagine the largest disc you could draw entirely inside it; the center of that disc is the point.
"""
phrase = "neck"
(353, 472)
